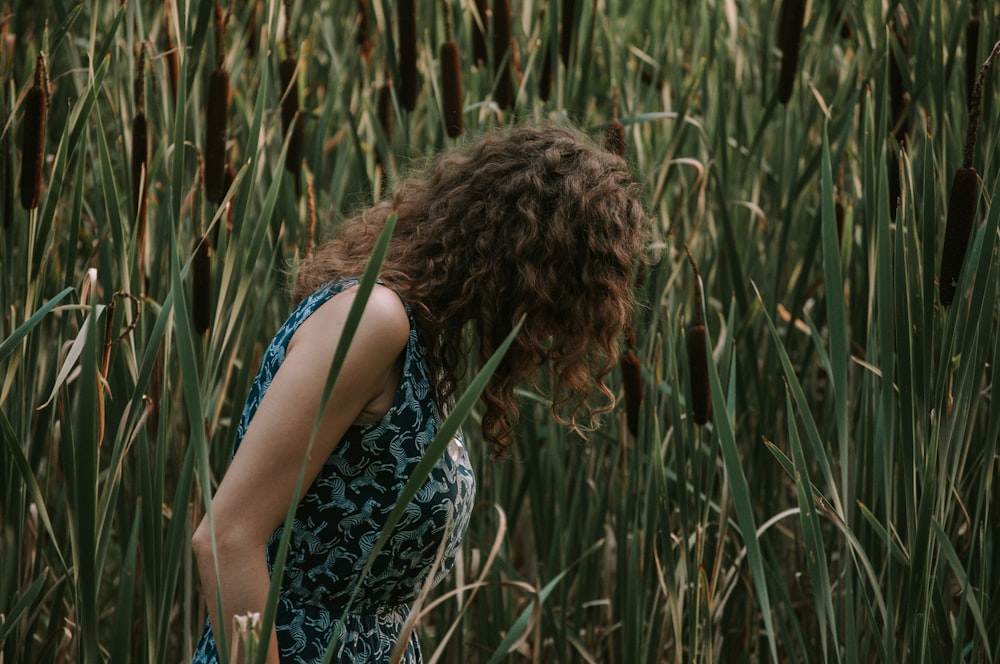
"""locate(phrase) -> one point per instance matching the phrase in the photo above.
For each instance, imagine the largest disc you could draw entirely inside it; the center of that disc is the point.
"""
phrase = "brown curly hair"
(531, 220)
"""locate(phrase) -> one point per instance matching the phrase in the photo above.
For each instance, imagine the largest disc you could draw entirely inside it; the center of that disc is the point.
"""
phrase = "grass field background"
(839, 506)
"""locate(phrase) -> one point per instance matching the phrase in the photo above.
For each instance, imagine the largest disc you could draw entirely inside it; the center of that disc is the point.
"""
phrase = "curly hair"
(530, 220)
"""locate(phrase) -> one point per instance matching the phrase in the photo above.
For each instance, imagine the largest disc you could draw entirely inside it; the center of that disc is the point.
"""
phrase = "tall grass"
(840, 504)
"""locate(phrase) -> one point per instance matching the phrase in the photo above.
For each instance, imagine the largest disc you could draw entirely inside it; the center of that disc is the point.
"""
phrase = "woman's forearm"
(242, 583)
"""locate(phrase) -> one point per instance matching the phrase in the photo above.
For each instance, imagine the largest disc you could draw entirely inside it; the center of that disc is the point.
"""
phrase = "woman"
(530, 221)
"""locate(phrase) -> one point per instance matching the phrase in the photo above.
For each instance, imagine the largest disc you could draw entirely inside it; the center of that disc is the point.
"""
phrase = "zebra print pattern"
(342, 513)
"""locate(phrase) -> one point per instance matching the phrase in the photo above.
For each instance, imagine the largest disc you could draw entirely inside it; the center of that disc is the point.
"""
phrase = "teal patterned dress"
(342, 513)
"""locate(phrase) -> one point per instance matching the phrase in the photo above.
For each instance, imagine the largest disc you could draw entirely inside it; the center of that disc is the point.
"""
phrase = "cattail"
(140, 155)
(217, 120)
(698, 358)
(790, 21)
(963, 198)
(384, 110)
(201, 280)
(451, 88)
(895, 179)
(566, 30)
(363, 37)
(545, 78)
(632, 384)
(961, 215)
(614, 138)
(216, 123)
(386, 119)
(479, 34)
(227, 184)
(409, 81)
(503, 54)
(36, 104)
(291, 119)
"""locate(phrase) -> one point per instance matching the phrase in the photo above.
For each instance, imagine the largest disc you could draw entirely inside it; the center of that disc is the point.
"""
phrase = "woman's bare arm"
(257, 489)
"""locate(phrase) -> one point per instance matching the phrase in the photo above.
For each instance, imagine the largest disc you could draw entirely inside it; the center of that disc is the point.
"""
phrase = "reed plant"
(819, 483)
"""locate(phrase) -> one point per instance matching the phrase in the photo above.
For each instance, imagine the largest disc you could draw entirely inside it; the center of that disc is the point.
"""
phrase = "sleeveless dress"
(341, 515)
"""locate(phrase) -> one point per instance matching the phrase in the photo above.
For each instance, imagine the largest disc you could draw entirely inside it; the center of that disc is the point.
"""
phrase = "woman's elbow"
(222, 539)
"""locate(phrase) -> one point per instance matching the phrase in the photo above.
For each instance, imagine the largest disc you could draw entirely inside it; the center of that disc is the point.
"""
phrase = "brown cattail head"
(614, 138)
(363, 36)
(409, 78)
(790, 21)
(451, 88)
(291, 119)
(697, 351)
(217, 127)
(36, 104)
(479, 23)
(201, 281)
(140, 151)
(385, 111)
(566, 23)
(140, 158)
(961, 216)
(503, 54)
(545, 78)
(895, 179)
(228, 183)
(701, 393)
(632, 384)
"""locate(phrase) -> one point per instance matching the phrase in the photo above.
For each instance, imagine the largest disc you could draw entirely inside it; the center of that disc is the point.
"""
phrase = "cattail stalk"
(409, 78)
(201, 281)
(790, 21)
(139, 164)
(503, 54)
(963, 198)
(36, 104)
(698, 358)
(217, 119)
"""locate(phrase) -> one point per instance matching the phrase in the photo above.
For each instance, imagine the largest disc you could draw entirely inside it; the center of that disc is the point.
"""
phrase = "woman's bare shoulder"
(384, 322)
